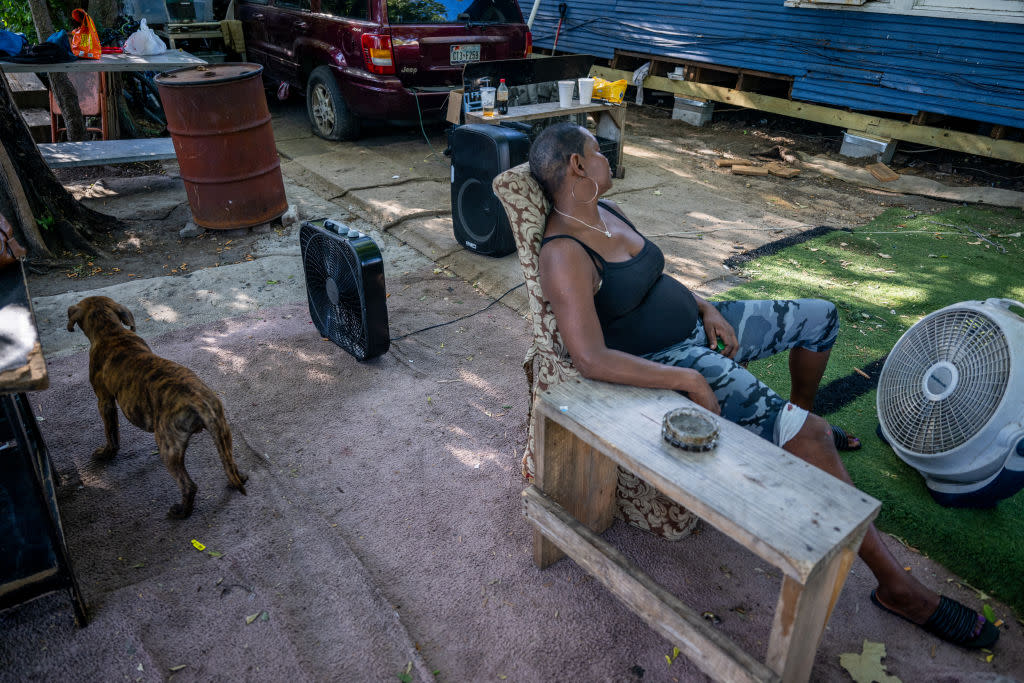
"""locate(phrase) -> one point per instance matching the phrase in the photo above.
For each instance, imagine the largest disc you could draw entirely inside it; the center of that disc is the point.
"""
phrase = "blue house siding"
(862, 60)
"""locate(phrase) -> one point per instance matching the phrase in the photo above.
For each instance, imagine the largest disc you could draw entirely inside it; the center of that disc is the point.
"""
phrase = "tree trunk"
(60, 84)
(103, 12)
(31, 196)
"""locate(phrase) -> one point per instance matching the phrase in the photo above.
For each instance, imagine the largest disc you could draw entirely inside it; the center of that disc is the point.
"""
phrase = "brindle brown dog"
(154, 393)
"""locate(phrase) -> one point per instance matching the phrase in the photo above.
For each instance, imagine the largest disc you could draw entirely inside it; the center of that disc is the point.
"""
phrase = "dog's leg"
(108, 413)
(172, 444)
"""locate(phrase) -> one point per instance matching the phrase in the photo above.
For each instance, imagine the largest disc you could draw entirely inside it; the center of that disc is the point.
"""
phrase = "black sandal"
(955, 623)
(843, 440)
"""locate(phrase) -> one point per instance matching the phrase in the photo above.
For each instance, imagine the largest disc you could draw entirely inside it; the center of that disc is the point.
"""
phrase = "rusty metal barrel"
(220, 126)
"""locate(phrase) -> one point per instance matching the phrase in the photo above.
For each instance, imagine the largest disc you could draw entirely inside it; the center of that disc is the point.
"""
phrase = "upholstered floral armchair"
(548, 363)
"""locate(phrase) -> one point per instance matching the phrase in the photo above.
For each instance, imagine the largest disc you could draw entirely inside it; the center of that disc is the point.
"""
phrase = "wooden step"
(38, 121)
(28, 91)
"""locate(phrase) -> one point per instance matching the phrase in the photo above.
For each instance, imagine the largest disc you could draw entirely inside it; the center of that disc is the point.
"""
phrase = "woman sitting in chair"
(624, 320)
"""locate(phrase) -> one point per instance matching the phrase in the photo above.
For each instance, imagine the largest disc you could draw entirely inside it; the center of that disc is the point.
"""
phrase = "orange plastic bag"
(85, 40)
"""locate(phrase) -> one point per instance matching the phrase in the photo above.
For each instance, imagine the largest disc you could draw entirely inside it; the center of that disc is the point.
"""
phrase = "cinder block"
(860, 145)
(693, 112)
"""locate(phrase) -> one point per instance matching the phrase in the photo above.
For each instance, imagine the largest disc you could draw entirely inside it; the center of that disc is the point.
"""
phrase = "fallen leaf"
(657, 193)
(174, 669)
(252, 617)
(214, 553)
(867, 666)
(884, 255)
(989, 613)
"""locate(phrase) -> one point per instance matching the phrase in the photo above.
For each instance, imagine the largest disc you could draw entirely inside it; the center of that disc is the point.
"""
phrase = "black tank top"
(641, 309)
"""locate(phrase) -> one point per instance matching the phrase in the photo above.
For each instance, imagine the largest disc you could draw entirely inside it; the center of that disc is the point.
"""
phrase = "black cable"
(423, 130)
(468, 315)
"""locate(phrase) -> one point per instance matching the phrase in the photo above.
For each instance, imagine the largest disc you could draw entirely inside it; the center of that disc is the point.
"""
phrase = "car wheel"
(328, 112)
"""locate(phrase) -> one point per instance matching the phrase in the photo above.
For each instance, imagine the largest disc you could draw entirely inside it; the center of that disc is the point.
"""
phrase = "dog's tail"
(217, 424)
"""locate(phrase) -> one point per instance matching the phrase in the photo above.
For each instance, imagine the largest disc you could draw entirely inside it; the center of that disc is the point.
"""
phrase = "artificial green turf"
(884, 277)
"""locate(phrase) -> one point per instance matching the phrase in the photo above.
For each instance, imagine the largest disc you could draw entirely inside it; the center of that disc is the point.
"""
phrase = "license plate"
(461, 54)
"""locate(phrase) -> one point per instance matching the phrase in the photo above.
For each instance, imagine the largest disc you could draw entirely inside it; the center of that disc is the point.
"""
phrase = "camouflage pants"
(764, 328)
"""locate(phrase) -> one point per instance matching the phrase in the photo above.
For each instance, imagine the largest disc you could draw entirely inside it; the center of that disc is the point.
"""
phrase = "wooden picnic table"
(108, 151)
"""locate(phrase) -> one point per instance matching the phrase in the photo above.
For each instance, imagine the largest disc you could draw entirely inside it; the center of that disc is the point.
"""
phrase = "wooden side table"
(610, 120)
(34, 558)
(800, 519)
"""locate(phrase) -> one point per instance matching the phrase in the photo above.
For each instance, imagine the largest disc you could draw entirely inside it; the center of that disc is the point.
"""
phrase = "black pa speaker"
(479, 153)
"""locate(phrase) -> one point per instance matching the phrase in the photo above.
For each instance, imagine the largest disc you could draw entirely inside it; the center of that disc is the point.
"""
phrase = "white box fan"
(951, 401)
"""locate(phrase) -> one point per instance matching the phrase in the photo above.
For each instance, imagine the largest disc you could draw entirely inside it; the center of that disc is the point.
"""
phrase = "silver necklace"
(606, 231)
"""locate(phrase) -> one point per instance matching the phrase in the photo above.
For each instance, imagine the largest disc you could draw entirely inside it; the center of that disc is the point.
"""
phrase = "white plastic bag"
(144, 42)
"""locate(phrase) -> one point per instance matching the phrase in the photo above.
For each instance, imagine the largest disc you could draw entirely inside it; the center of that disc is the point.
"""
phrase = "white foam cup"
(565, 89)
(586, 89)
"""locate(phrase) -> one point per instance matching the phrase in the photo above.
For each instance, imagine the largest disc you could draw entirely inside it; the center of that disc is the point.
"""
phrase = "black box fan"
(345, 286)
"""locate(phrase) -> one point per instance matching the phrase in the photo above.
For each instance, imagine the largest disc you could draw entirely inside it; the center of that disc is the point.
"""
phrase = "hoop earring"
(573, 190)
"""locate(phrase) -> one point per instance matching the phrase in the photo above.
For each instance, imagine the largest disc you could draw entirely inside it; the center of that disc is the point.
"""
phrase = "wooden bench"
(800, 519)
(98, 152)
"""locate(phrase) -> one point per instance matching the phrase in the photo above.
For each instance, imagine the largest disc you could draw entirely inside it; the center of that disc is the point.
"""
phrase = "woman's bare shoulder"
(613, 204)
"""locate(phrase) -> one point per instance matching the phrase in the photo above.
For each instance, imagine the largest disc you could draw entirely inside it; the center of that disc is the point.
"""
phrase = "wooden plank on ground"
(981, 145)
(749, 170)
(782, 171)
(99, 152)
(720, 163)
(695, 637)
(883, 172)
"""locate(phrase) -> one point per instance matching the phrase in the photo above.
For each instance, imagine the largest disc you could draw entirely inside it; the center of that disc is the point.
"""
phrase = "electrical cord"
(468, 315)
(419, 112)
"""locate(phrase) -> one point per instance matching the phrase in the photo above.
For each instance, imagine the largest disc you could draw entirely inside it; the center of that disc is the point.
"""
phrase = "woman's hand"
(717, 328)
(699, 391)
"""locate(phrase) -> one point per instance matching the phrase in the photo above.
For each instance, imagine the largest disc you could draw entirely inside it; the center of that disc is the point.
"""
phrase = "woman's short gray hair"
(551, 151)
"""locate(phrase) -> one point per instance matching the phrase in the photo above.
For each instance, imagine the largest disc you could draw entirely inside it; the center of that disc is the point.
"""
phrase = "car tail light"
(529, 44)
(377, 53)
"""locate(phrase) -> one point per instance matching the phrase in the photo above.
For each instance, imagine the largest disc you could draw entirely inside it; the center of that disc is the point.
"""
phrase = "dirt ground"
(354, 557)
(150, 245)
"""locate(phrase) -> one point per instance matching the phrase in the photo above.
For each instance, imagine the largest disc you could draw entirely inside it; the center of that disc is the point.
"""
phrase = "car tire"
(329, 114)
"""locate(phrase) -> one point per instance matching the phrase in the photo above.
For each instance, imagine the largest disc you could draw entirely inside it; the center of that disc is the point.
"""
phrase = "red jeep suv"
(377, 59)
